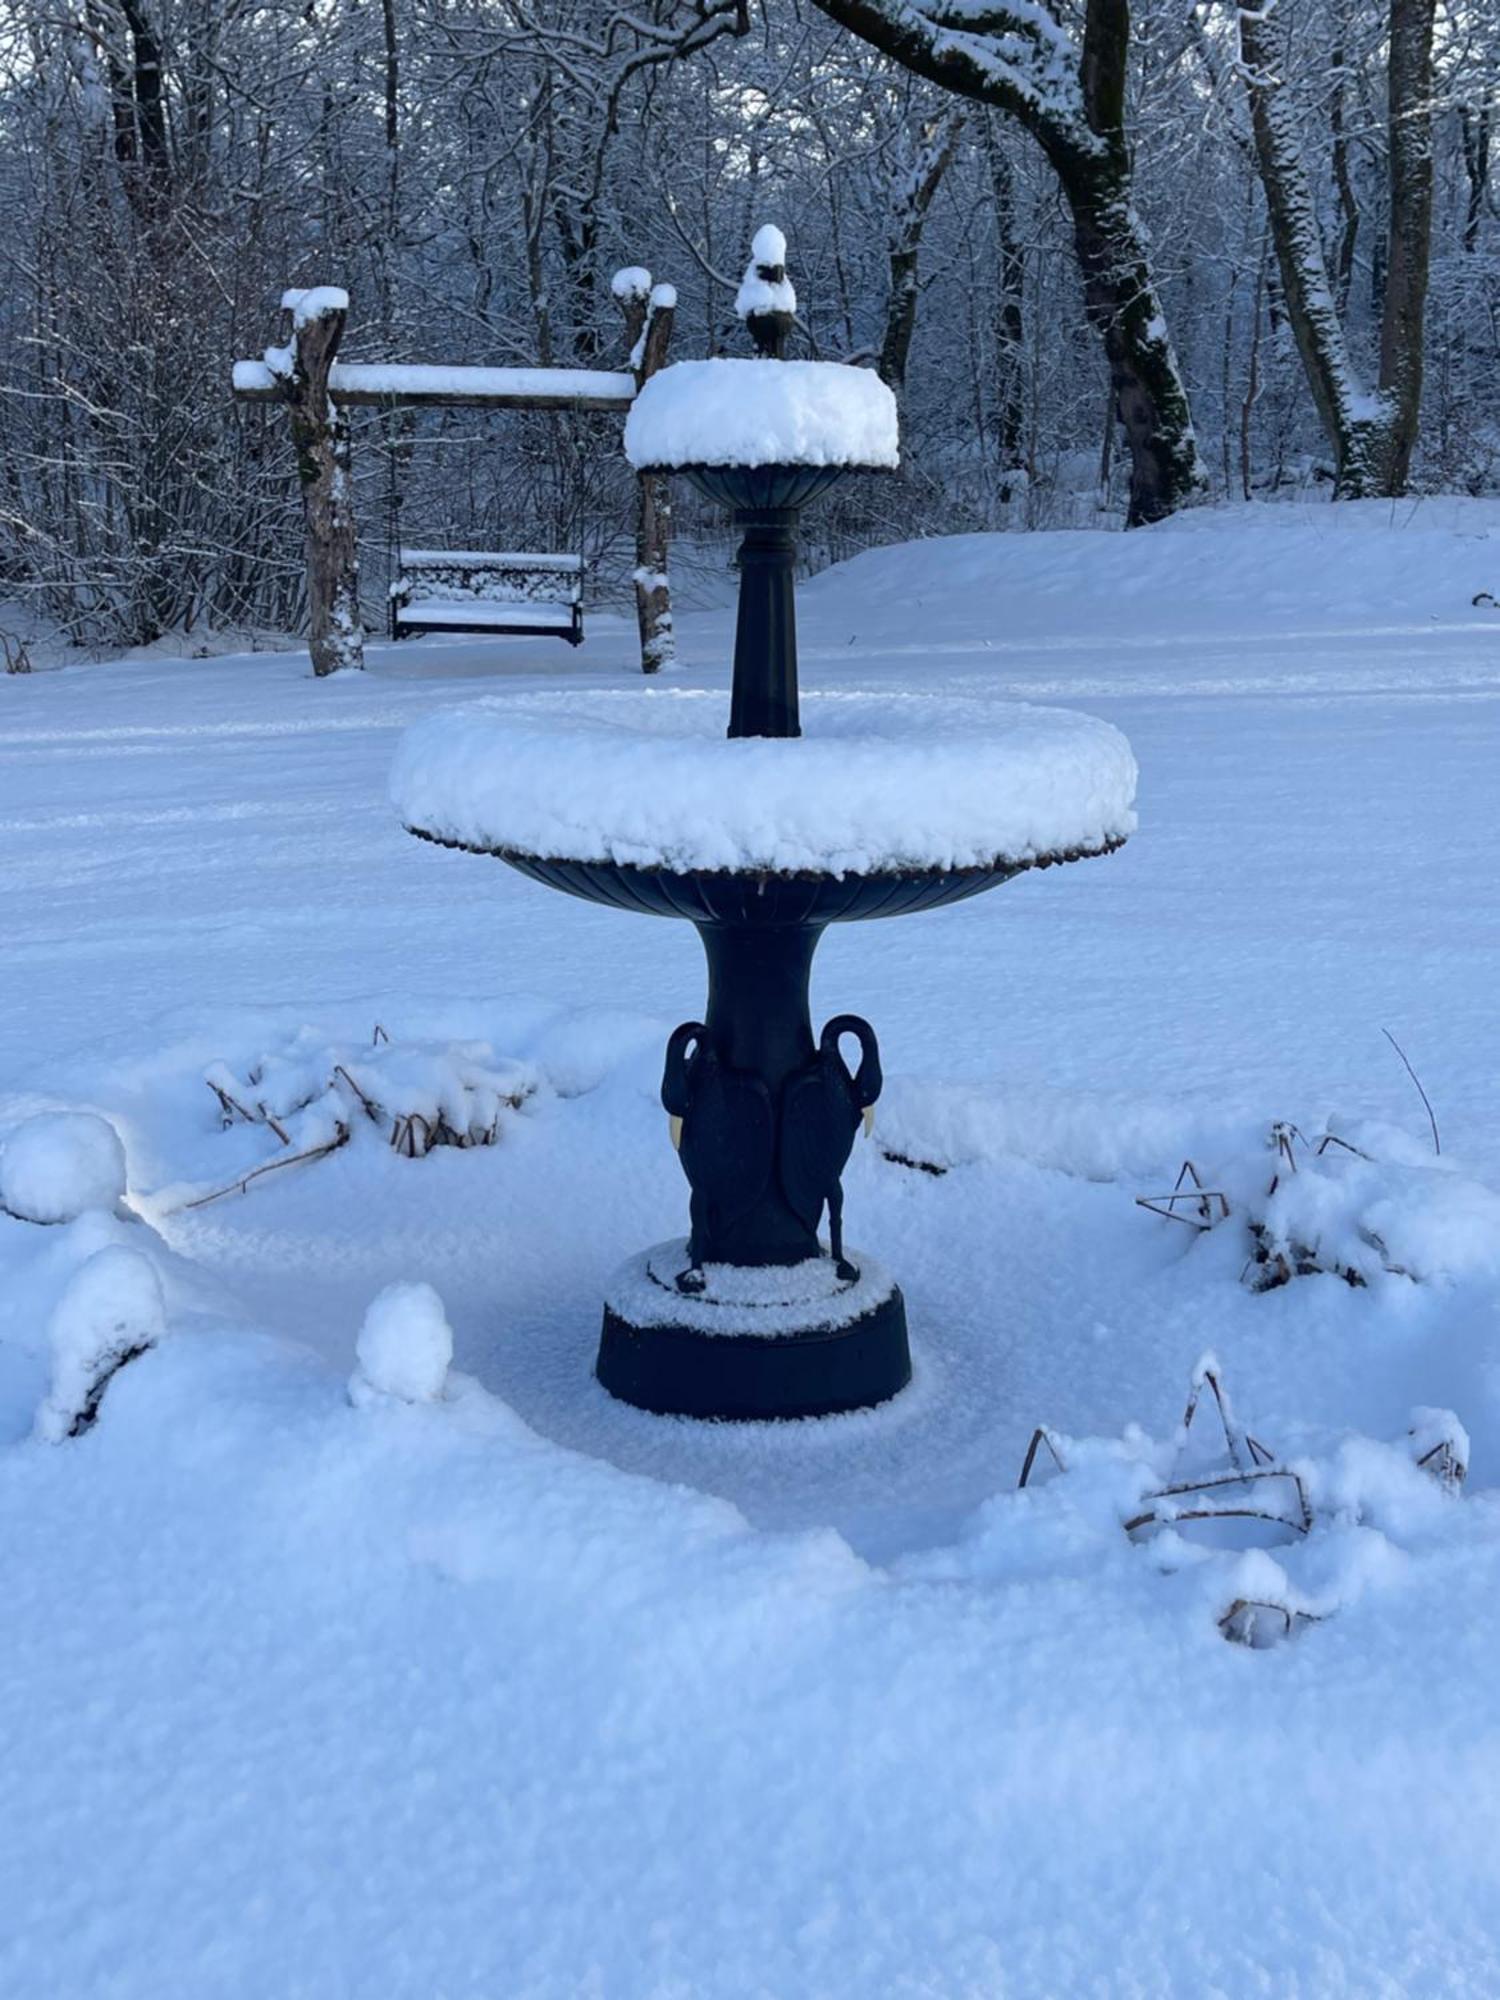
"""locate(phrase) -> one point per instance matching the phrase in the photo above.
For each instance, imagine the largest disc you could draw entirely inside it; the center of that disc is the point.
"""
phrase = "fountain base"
(757, 1343)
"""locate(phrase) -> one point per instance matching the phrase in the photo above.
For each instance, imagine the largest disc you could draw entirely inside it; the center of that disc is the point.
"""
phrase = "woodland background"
(473, 171)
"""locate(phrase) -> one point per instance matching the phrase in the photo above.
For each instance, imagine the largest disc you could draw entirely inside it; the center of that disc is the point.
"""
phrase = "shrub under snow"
(404, 1347)
(55, 1166)
(111, 1311)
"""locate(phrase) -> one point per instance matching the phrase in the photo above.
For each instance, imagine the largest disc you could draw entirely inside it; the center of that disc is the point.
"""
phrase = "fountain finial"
(767, 300)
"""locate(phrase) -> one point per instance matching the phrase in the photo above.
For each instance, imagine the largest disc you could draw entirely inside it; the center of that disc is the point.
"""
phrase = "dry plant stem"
(1201, 1197)
(1437, 1144)
(1233, 1436)
(1184, 1488)
(367, 1104)
(1229, 1621)
(1039, 1437)
(231, 1107)
(268, 1167)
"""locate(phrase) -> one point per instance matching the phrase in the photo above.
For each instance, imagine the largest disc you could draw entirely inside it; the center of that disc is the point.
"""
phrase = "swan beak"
(869, 1117)
(674, 1126)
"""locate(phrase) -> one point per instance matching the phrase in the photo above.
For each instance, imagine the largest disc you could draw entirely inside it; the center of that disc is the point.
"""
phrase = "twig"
(269, 1167)
(1437, 1144)
(1039, 1437)
(1206, 1487)
(367, 1104)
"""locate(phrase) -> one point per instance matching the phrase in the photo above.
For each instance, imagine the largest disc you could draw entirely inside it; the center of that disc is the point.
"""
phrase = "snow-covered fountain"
(762, 838)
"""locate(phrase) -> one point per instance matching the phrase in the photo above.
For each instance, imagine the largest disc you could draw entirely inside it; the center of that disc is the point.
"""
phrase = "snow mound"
(59, 1164)
(404, 1348)
(111, 1311)
(877, 784)
(731, 412)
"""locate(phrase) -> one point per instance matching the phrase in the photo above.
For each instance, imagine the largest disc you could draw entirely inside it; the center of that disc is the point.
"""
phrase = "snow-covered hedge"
(877, 783)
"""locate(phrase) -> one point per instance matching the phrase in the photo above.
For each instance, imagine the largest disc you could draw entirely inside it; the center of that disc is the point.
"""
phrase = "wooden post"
(320, 437)
(649, 310)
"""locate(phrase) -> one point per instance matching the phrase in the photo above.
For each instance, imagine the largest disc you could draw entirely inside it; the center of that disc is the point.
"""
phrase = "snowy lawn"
(514, 1691)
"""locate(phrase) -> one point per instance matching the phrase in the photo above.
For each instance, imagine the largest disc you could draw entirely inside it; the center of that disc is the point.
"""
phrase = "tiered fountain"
(891, 804)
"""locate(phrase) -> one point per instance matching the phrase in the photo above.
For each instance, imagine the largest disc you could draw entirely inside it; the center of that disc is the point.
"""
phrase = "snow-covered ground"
(517, 1691)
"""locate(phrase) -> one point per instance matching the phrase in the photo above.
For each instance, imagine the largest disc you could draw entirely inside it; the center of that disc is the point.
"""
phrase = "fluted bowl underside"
(756, 900)
(761, 488)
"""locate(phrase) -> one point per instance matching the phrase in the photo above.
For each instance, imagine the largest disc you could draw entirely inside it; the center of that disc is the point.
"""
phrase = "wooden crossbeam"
(404, 384)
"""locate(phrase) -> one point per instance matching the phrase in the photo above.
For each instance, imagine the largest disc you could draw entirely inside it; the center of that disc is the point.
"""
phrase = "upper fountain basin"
(902, 794)
(699, 415)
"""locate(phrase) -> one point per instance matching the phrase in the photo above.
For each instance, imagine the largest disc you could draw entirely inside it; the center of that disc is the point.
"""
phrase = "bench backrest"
(497, 577)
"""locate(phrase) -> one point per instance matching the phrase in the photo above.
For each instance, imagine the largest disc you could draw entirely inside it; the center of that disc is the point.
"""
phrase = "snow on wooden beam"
(352, 382)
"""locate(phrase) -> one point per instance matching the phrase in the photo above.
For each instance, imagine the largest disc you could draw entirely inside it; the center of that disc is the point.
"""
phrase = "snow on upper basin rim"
(737, 412)
(878, 783)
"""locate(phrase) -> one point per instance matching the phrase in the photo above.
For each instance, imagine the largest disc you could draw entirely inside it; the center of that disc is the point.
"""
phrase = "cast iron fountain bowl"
(761, 488)
(759, 899)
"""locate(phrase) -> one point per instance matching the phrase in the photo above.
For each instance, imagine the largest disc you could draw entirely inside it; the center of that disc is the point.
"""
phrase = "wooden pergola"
(317, 390)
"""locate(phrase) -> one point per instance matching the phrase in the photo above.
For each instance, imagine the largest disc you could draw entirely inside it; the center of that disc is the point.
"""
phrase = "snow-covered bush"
(312, 1093)
(404, 1348)
(1214, 1498)
(111, 1311)
(58, 1164)
(420, 1094)
(1356, 1201)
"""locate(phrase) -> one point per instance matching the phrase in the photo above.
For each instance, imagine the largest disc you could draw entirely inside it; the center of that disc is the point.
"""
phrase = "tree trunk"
(1401, 327)
(1474, 126)
(1344, 182)
(649, 312)
(919, 174)
(1371, 435)
(320, 437)
(1010, 332)
(1018, 58)
(1120, 299)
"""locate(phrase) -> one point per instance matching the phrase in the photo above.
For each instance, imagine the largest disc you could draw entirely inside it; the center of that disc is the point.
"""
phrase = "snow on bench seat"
(877, 783)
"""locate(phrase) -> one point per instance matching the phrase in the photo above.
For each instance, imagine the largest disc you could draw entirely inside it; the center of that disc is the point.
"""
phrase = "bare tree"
(1071, 99)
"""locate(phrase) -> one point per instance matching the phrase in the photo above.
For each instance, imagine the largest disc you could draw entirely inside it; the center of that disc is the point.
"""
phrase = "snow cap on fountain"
(726, 413)
(763, 412)
(765, 287)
